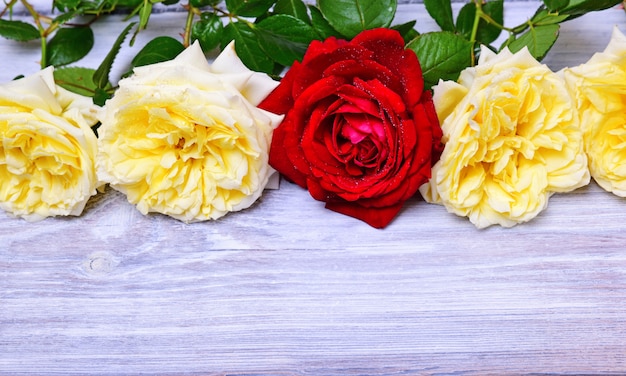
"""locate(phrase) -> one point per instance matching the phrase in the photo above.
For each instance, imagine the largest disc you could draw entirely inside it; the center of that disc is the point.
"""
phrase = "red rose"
(360, 133)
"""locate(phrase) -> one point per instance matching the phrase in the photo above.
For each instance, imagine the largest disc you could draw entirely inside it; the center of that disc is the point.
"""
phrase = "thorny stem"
(8, 6)
(481, 15)
(223, 12)
(491, 21)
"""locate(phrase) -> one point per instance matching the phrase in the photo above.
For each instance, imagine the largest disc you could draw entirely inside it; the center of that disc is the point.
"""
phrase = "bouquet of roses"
(367, 114)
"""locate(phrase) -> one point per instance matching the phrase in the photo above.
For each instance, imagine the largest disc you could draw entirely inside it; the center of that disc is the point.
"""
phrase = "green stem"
(477, 17)
(188, 24)
(44, 53)
(42, 32)
(520, 28)
(9, 6)
(493, 22)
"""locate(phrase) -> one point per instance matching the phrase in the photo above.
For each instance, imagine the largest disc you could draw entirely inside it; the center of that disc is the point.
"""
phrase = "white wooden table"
(288, 287)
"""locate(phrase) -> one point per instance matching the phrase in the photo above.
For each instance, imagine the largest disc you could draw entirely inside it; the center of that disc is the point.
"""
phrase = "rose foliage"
(271, 34)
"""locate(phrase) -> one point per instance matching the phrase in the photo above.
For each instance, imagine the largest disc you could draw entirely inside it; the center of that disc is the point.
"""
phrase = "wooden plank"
(288, 288)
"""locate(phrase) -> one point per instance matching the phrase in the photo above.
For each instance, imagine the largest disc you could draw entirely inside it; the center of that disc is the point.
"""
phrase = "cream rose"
(185, 138)
(512, 138)
(48, 149)
(599, 88)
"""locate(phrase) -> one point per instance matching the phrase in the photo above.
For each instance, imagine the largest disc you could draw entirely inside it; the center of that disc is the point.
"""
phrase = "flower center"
(358, 141)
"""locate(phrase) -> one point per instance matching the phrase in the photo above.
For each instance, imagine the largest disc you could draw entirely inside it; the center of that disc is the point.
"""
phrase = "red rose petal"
(361, 100)
(375, 217)
(317, 48)
(360, 132)
(282, 156)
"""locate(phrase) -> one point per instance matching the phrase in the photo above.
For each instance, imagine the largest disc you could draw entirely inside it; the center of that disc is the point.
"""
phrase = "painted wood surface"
(288, 288)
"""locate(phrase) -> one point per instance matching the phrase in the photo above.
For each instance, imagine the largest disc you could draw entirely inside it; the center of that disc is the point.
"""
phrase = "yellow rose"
(48, 149)
(599, 88)
(512, 138)
(185, 138)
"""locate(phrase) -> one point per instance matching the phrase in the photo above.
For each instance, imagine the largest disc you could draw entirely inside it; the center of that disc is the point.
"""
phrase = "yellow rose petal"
(183, 140)
(512, 139)
(599, 88)
(48, 149)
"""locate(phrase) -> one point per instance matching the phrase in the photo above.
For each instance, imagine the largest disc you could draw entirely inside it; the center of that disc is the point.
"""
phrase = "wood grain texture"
(288, 288)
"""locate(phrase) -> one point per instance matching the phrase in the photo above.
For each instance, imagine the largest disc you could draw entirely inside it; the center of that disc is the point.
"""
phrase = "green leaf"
(67, 16)
(249, 8)
(538, 39)
(101, 76)
(127, 3)
(247, 47)
(407, 30)
(441, 12)
(465, 20)
(410, 36)
(159, 49)
(203, 3)
(295, 8)
(208, 31)
(99, 98)
(76, 79)
(18, 30)
(442, 55)
(284, 38)
(144, 14)
(580, 7)
(545, 17)
(69, 45)
(65, 5)
(555, 5)
(321, 26)
(487, 32)
(350, 17)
